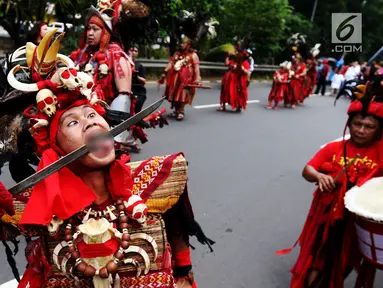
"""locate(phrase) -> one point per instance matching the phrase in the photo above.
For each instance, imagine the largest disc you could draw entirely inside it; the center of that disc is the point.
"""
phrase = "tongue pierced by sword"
(78, 153)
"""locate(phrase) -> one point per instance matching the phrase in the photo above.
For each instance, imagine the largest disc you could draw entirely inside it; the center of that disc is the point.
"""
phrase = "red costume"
(311, 78)
(78, 243)
(108, 54)
(234, 84)
(180, 76)
(328, 240)
(297, 82)
(279, 90)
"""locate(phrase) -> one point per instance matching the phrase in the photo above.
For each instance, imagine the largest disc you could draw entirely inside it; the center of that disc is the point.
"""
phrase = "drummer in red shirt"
(329, 249)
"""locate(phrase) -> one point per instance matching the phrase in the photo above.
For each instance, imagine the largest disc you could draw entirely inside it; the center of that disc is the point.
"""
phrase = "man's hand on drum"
(325, 182)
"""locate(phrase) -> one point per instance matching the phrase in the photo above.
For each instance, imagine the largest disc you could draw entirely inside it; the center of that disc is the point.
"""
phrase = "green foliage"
(70, 42)
(256, 23)
(160, 53)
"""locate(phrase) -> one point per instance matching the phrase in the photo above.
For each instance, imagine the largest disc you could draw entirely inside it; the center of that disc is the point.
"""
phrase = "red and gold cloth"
(151, 174)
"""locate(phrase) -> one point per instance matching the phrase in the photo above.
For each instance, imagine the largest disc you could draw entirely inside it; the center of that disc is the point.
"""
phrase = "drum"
(366, 203)
(370, 239)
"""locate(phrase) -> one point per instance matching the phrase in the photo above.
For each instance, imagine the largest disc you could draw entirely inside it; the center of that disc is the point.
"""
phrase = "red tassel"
(287, 250)
(284, 251)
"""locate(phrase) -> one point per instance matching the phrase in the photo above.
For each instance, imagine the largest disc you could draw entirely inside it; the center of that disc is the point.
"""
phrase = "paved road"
(245, 182)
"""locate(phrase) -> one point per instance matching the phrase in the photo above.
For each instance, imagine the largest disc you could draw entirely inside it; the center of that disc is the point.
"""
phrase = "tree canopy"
(262, 25)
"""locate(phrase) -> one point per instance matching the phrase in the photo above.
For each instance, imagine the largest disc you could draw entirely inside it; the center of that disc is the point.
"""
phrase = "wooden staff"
(345, 168)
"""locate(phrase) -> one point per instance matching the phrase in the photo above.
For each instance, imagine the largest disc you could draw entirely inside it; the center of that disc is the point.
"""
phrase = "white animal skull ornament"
(69, 78)
(54, 226)
(103, 69)
(136, 208)
(46, 102)
(88, 68)
(87, 84)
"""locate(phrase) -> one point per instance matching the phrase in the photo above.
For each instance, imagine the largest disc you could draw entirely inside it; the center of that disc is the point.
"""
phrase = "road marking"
(347, 136)
(10, 284)
(217, 105)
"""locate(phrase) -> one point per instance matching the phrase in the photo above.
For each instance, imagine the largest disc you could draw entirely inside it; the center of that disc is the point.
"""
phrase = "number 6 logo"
(342, 26)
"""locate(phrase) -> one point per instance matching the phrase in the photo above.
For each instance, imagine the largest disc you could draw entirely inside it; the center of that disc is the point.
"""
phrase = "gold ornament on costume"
(44, 55)
(44, 58)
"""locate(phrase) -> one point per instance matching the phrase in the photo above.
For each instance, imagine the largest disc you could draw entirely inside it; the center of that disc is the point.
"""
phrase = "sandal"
(174, 114)
(221, 108)
(180, 116)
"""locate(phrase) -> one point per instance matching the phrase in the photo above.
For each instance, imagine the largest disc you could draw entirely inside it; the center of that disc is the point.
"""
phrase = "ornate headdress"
(368, 98)
(298, 44)
(58, 88)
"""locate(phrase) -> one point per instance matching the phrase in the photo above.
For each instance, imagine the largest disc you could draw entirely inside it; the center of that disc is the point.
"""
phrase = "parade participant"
(83, 222)
(297, 80)
(226, 80)
(323, 78)
(250, 59)
(279, 90)
(311, 65)
(181, 71)
(234, 89)
(138, 81)
(39, 30)
(329, 249)
(101, 55)
(337, 82)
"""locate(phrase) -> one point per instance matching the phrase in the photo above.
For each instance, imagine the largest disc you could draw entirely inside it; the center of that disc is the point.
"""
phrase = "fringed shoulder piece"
(160, 181)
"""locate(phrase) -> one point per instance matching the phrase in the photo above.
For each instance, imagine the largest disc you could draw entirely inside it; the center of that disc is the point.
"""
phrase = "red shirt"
(325, 70)
(332, 153)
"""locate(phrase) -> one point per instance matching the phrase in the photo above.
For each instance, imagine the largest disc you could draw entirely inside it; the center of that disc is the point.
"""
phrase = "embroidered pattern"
(147, 174)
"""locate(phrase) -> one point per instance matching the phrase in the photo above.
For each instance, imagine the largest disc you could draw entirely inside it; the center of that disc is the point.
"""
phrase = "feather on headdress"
(368, 98)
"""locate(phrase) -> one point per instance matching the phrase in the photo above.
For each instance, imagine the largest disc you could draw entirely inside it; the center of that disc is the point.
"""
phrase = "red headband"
(45, 137)
(374, 108)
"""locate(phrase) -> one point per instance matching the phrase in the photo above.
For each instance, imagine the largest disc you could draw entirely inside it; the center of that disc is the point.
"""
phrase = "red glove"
(6, 201)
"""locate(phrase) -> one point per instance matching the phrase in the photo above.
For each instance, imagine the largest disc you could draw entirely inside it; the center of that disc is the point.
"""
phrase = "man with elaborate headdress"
(329, 250)
(182, 71)
(101, 55)
(100, 221)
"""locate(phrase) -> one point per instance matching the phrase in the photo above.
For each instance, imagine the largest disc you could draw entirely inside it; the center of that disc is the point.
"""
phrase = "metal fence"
(150, 63)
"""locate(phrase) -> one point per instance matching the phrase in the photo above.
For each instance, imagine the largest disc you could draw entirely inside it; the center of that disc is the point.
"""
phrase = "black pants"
(141, 98)
(321, 85)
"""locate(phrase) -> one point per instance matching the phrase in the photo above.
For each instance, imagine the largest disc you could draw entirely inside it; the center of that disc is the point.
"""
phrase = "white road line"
(347, 136)
(217, 105)
(10, 284)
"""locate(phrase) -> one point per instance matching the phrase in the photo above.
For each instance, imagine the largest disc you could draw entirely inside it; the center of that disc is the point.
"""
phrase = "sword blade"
(76, 154)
